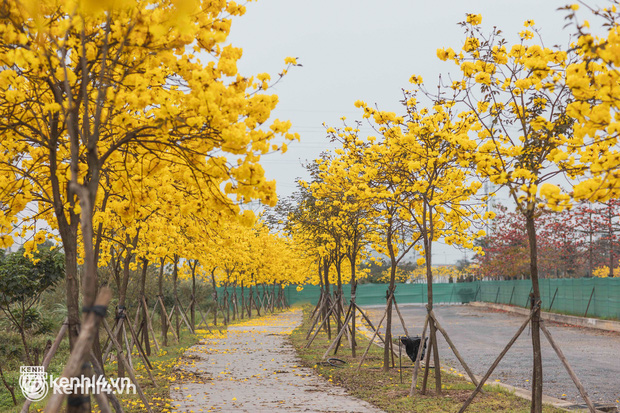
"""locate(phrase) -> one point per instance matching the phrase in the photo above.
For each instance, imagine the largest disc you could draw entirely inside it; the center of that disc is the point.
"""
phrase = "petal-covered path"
(253, 368)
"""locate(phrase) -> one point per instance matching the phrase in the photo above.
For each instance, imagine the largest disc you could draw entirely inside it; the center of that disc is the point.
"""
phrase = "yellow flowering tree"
(519, 97)
(593, 81)
(86, 83)
(351, 216)
(428, 163)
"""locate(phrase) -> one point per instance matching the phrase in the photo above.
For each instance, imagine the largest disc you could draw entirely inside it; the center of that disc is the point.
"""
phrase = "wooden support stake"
(339, 336)
(147, 364)
(319, 304)
(135, 324)
(370, 324)
(117, 328)
(204, 319)
(402, 321)
(371, 341)
(400, 358)
(111, 396)
(102, 403)
(129, 358)
(418, 358)
(389, 303)
(315, 319)
(128, 368)
(184, 317)
(154, 308)
(321, 325)
(48, 357)
(498, 359)
(454, 350)
(345, 327)
(172, 326)
(150, 325)
(427, 362)
(184, 311)
(571, 372)
(166, 319)
(373, 327)
(81, 349)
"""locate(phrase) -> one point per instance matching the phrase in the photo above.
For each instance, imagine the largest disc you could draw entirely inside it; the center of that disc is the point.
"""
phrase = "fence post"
(553, 299)
(497, 295)
(511, 294)
(589, 301)
(527, 300)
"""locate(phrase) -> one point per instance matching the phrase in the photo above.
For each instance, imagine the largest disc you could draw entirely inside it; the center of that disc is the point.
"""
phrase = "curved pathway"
(253, 368)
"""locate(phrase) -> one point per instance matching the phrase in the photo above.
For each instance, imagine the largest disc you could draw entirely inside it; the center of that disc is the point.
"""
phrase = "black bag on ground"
(412, 344)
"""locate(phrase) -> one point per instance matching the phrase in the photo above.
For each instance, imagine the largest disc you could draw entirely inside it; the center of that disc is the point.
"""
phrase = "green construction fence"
(592, 297)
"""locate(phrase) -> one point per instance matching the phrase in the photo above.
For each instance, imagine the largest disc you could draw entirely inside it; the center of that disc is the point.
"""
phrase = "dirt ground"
(252, 368)
(480, 335)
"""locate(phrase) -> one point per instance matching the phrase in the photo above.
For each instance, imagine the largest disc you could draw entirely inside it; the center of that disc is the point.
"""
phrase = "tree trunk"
(388, 322)
(339, 294)
(611, 241)
(193, 302)
(242, 302)
(68, 229)
(175, 276)
(145, 330)
(234, 301)
(327, 294)
(10, 388)
(164, 321)
(214, 284)
(353, 290)
(537, 374)
(353, 259)
(429, 289)
(22, 333)
(122, 298)
(72, 288)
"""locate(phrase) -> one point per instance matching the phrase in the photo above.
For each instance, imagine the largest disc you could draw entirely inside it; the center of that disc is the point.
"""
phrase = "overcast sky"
(367, 50)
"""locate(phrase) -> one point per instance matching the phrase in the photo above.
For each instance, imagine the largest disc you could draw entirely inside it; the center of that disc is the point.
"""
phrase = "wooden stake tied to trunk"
(83, 345)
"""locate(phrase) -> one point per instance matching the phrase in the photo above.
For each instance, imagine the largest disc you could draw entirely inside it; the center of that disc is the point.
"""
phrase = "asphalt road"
(480, 335)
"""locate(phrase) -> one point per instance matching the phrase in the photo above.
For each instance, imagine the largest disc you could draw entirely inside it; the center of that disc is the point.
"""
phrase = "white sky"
(367, 50)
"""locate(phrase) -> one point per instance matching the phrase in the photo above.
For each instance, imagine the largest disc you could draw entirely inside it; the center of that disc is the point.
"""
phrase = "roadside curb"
(606, 325)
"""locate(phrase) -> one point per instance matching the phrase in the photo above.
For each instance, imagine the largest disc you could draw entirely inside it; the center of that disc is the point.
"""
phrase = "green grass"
(384, 389)
(163, 365)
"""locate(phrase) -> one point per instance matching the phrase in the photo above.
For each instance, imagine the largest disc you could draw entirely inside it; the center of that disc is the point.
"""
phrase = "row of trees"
(581, 241)
(130, 139)
(522, 116)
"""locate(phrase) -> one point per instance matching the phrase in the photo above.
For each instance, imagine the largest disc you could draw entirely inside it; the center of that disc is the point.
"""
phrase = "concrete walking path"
(253, 368)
